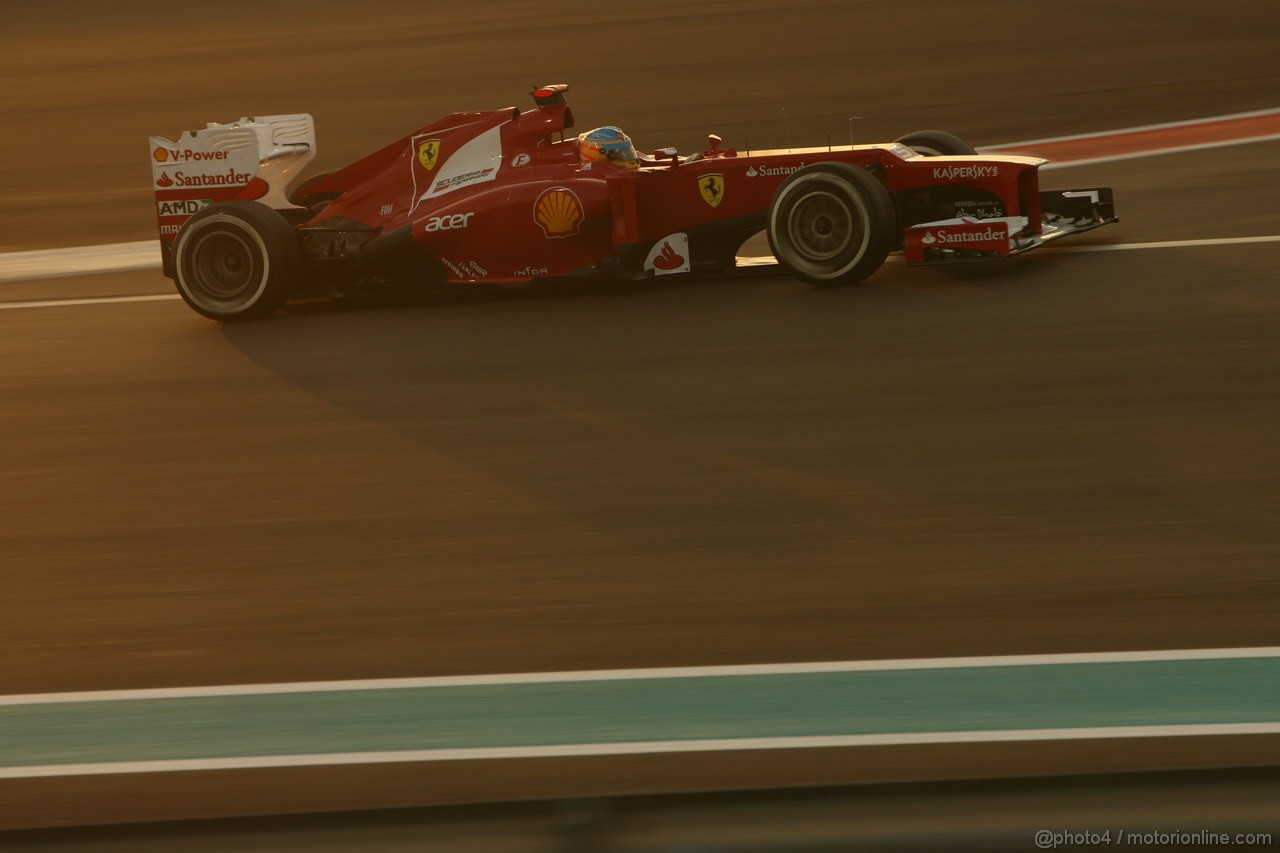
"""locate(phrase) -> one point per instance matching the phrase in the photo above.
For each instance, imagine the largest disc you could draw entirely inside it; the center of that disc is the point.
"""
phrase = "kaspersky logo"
(951, 173)
(558, 212)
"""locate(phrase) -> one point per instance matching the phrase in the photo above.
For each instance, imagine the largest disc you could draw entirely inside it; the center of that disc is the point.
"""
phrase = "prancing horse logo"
(428, 151)
(712, 188)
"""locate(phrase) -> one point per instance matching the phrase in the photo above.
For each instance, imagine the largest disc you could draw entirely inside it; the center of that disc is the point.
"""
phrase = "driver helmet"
(607, 145)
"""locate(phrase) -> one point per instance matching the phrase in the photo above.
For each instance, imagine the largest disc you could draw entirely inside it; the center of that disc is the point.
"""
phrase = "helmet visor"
(620, 152)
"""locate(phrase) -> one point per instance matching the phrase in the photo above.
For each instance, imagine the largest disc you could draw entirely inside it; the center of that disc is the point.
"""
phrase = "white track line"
(103, 300)
(638, 748)
(79, 260)
(769, 260)
(758, 261)
(641, 674)
(1169, 244)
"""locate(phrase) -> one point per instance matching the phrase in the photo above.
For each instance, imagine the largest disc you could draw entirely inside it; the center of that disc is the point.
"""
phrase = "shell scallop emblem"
(559, 212)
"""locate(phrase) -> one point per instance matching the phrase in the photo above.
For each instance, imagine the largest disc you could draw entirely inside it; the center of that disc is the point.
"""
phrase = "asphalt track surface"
(1067, 453)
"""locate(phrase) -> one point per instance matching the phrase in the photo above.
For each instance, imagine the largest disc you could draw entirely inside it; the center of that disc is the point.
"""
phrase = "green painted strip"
(1153, 693)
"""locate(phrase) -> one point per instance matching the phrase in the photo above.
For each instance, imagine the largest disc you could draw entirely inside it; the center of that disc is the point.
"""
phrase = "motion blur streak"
(1070, 453)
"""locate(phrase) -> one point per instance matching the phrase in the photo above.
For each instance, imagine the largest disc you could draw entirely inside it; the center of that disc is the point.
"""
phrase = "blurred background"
(1070, 453)
(84, 85)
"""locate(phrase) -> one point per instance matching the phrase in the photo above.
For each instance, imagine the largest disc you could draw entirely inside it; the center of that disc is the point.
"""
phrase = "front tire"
(936, 143)
(831, 224)
(236, 261)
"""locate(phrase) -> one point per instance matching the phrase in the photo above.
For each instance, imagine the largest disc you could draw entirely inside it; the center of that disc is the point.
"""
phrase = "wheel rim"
(822, 226)
(222, 267)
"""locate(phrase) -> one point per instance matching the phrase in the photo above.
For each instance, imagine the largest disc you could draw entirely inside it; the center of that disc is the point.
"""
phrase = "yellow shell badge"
(558, 211)
(712, 188)
(428, 151)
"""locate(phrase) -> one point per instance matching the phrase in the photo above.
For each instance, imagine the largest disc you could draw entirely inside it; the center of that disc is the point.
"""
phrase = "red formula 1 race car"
(510, 197)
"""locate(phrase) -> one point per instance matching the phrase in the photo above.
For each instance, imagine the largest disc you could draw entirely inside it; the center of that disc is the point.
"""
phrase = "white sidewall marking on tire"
(854, 197)
(244, 228)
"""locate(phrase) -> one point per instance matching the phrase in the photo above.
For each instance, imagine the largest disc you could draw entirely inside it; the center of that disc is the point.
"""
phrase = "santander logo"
(668, 258)
(998, 231)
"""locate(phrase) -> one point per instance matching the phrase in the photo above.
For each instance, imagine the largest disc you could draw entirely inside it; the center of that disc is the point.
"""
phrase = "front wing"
(965, 239)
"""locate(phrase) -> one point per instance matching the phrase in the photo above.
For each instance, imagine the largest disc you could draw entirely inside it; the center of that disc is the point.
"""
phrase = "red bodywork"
(502, 197)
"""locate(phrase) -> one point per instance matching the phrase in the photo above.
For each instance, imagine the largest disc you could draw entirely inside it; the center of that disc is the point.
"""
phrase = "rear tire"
(831, 224)
(236, 260)
(936, 143)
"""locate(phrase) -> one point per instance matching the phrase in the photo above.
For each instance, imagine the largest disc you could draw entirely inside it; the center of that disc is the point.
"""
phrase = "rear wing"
(251, 158)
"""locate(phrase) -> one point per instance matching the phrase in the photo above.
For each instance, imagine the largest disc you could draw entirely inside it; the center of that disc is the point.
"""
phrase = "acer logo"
(456, 222)
(951, 173)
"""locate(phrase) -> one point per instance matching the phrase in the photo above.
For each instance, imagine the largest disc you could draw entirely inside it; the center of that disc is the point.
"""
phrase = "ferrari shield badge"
(712, 188)
(428, 151)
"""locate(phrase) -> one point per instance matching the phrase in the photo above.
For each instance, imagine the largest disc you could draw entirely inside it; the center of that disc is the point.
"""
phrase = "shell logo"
(161, 155)
(559, 212)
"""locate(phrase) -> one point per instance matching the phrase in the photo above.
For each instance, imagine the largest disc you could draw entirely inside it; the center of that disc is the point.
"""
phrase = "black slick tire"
(236, 261)
(831, 224)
